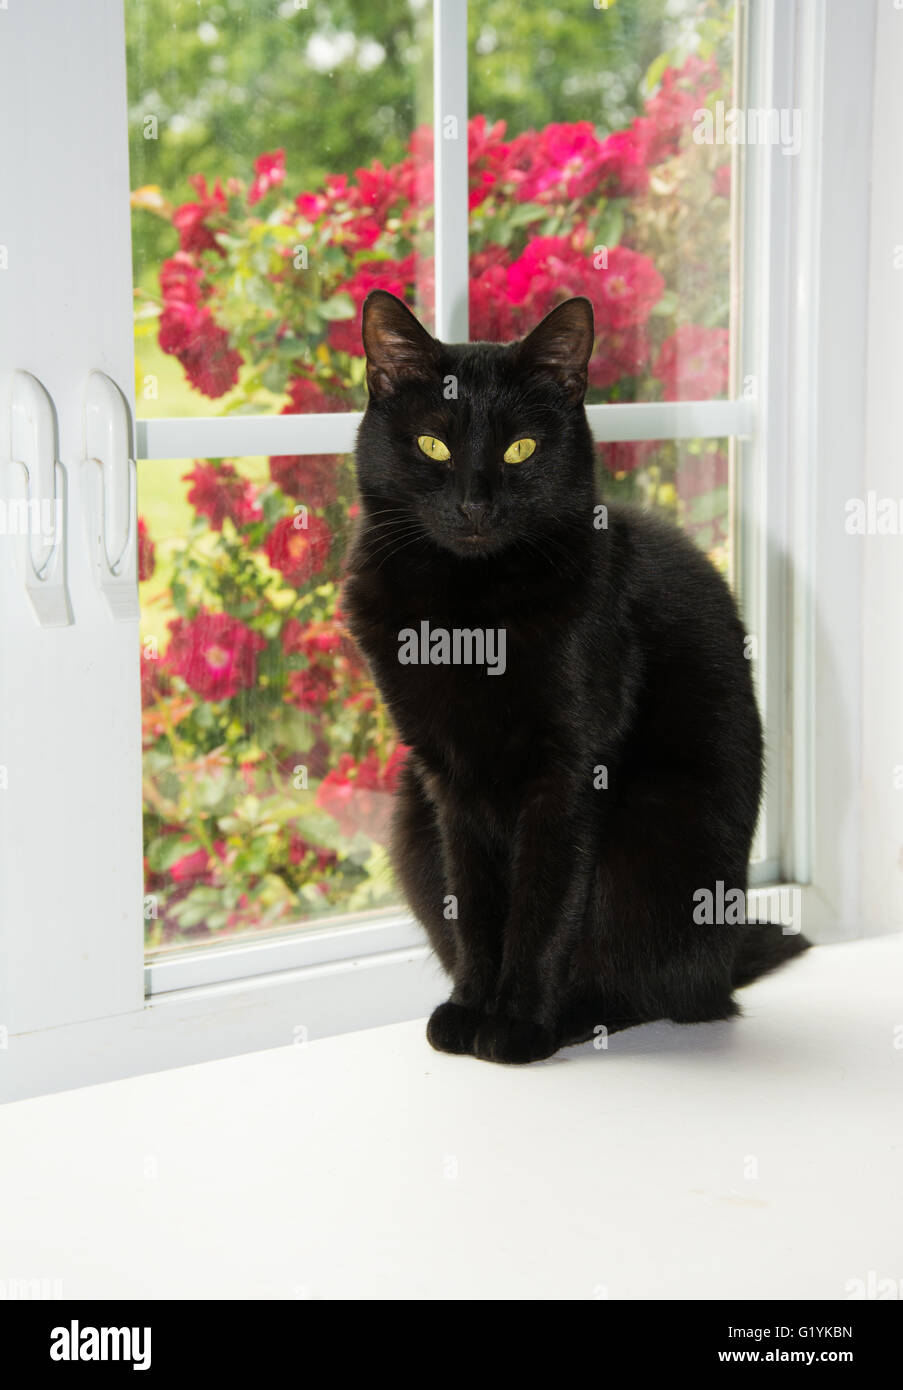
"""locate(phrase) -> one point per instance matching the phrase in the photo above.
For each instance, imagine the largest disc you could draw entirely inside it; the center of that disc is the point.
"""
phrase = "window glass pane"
(280, 169)
(687, 480)
(598, 167)
(268, 762)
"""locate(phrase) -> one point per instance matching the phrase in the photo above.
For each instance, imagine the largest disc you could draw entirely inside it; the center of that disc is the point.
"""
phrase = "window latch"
(40, 516)
(111, 503)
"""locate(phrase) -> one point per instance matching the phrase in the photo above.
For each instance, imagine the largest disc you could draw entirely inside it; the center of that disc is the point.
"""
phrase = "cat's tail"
(763, 947)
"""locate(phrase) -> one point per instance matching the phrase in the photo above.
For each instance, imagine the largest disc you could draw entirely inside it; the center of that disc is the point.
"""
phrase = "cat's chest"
(479, 678)
(478, 690)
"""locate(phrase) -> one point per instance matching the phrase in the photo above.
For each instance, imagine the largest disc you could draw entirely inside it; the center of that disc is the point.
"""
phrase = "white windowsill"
(210, 1003)
(368, 1166)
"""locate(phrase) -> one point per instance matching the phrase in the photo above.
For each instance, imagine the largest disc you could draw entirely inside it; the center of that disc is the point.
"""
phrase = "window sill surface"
(753, 1159)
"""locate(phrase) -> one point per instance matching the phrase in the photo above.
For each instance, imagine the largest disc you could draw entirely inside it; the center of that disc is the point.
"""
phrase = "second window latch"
(112, 503)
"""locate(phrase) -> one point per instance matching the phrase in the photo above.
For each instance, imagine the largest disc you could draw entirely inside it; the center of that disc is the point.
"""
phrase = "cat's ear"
(561, 346)
(398, 347)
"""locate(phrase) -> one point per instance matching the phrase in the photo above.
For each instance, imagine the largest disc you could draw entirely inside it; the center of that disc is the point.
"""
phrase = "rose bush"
(269, 763)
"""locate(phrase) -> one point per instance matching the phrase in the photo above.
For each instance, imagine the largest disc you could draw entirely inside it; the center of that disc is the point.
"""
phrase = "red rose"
(415, 177)
(269, 171)
(146, 554)
(692, 364)
(624, 290)
(217, 491)
(182, 313)
(721, 181)
(415, 174)
(669, 113)
(550, 268)
(621, 169)
(299, 849)
(565, 163)
(316, 205)
(307, 397)
(210, 364)
(311, 478)
(187, 329)
(626, 456)
(215, 654)
(190, 867)
(481, 184)
(332, 661)
(394, 763)
(180, 279)
(336, 794)
(377, 189)
(198, 866)
(311, 688)
(194, 234)
(189, 220)
(311, 639)
(698, 474)
(486, 157)
(485, 142)
(358, 795)
(180, 325)
(298, 552)
(151, 683)
(619, 353)
(345, 334)
(493, 316)
(420, 273)
(359, 233)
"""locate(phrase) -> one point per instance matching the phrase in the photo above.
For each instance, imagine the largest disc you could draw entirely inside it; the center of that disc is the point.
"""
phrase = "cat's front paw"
(513, 1040)
(452, 1028)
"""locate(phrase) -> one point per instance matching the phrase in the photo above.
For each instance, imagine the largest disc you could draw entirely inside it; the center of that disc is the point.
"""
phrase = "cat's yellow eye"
(433, 448)
(518, 451)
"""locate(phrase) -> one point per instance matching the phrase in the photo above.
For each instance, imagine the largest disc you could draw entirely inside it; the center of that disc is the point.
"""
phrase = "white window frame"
(71, 938)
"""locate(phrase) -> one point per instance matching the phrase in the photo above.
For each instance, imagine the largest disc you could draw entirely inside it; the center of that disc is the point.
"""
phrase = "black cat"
(586, 749)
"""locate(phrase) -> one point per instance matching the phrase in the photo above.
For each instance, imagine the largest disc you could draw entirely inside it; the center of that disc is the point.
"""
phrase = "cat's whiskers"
(386, 550)
(398, 532)
(395, 552)
(350, 523)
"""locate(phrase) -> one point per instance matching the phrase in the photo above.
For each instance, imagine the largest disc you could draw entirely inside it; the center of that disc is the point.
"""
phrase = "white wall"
(882, 555)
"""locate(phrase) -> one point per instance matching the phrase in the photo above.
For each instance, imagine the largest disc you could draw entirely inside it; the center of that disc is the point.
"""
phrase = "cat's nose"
(476, 513)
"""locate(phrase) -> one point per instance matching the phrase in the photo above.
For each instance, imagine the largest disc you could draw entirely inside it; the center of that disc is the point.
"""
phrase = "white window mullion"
(450, 169)
(803, 443)
(761, 369)
(243, 436)
(670, 420)
(246, 436)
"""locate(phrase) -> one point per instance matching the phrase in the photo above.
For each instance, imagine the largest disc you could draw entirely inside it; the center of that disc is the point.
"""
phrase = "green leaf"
(707, 507)
(167, 850)
(610, 227)
(341, 306)
(666, 305)
(524, 214)
(655, 72)
(274, 378)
